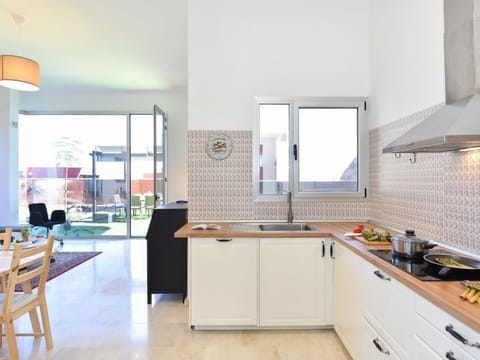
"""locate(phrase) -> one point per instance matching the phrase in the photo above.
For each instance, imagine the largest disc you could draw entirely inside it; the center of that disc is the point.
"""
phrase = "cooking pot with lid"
(409, 245)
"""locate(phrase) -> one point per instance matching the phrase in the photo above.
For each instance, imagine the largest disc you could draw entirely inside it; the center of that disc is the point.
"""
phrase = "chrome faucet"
(290, 212)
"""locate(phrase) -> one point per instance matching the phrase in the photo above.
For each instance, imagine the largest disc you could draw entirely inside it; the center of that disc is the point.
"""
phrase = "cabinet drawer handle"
(376, 342)
(332, 247)
(381, 276)
(456, 335)
(450, 355)
(323, 249)
(224, 240)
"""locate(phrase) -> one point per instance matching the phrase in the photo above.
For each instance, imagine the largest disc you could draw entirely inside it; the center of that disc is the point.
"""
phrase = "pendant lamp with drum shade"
(18, 72)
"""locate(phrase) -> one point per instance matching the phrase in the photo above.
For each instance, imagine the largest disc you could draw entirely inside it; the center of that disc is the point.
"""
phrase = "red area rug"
(64, 261)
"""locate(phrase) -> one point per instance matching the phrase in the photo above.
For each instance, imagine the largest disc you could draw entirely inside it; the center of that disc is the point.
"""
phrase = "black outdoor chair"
(39, 217)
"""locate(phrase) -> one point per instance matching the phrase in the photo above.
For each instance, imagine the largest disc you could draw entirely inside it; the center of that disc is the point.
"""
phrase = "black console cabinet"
(166, 255)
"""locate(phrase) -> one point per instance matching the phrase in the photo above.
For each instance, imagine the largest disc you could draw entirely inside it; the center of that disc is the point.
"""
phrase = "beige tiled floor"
(99, 311)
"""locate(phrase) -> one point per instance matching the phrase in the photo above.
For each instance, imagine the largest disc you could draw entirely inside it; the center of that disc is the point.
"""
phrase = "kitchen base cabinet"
(373, 346)
(367, 298)
(260, 283)
(442, 333)
(390, 308)
(223, 282)
(293, 282)
(435, 344)
(166, 256)
(349, 271)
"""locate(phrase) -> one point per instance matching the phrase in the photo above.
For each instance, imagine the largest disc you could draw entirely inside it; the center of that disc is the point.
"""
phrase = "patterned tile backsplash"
(222, 190)
(438, 196)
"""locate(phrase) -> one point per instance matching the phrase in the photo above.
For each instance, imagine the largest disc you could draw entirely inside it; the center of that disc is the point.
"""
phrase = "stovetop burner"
(424, 270)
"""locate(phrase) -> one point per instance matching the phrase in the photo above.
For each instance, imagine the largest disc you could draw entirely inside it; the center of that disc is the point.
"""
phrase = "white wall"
(174, 103)
(240, 49)
(406, 58)
(8, 156)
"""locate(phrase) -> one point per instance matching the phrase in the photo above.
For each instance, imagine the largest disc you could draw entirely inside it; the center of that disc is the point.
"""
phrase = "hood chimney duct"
(459, 54)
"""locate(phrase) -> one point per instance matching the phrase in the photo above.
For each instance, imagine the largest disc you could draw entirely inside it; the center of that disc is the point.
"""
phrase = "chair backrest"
(150, 200)
(40, 208)
(136, 201)
(6, 236)
(36, 219)
(117, 199)
(26, 264)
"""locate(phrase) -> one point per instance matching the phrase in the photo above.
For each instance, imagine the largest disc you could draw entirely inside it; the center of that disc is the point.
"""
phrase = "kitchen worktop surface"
(444, 294)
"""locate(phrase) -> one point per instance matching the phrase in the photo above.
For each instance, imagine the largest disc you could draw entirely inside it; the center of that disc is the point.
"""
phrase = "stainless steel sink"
(253, 227)
(286, 227)
(244, 227)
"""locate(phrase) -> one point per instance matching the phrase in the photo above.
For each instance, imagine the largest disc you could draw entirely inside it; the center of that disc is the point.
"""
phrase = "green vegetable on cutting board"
(377, 234)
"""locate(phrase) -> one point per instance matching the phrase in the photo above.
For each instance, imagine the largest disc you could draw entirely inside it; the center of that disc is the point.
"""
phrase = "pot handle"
(429, 246)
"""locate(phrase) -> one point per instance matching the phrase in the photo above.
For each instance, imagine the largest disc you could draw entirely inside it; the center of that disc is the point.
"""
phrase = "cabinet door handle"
(224, 240)
(381, 276)
(323, 249)
(376, 342)
(450, 355)
(332, 247)
(456, 335)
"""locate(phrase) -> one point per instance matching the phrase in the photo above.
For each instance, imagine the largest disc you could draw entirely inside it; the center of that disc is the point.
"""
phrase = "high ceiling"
(100, 44)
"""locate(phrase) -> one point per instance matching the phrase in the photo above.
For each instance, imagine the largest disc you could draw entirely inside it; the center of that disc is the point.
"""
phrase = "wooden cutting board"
(374, 244)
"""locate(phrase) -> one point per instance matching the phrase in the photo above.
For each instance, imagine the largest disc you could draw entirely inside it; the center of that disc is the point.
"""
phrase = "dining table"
(6, 256)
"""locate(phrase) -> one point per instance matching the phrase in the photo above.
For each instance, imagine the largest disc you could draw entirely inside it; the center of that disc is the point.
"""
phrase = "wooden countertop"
(444, 294)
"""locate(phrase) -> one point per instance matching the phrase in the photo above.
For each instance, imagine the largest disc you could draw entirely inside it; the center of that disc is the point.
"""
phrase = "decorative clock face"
(219, 146)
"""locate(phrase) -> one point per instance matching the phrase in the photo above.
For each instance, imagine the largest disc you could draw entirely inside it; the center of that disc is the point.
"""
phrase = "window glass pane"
(328, 149)
(76, 163)
(273, 149)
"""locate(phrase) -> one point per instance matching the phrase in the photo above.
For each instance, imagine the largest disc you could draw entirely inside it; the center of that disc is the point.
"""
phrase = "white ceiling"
(100, 44)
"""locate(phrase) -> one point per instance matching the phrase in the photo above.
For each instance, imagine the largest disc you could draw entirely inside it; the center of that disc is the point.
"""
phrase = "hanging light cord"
(19, 20)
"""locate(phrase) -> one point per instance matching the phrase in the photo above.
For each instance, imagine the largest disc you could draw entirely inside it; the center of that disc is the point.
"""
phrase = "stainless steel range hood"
(457, 125)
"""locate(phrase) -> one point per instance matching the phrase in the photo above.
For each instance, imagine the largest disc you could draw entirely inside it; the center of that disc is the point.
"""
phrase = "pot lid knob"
(410, 232)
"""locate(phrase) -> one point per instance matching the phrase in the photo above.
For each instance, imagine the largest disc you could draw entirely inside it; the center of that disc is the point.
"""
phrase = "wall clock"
(219, 146)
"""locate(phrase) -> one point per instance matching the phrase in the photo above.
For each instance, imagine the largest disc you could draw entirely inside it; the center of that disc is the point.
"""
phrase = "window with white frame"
(312, 147)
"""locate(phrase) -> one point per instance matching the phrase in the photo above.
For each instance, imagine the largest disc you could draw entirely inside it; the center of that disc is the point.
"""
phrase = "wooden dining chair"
(26, 264)
(6, 238)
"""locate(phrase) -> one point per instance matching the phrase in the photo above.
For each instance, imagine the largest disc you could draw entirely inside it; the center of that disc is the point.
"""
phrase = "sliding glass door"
(147, 189)
(160, 158)
(100, 169)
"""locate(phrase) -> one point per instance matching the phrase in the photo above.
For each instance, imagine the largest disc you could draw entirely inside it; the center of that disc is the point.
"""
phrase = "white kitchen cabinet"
(442, 333)
(365, 293)
(372, 345)
(223, 281)
(293, 282)
(349, 272)
(390, 308)
(433, 345)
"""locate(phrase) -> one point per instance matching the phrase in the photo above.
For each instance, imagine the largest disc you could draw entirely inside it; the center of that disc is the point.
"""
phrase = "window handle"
(295, 151)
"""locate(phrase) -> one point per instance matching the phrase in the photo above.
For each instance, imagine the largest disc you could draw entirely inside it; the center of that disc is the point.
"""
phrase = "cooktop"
(425, 271)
